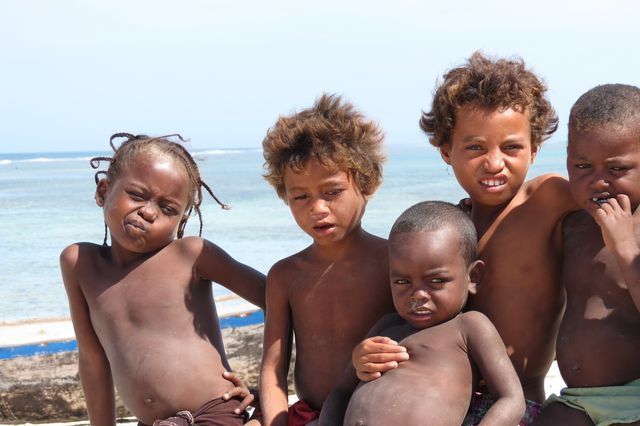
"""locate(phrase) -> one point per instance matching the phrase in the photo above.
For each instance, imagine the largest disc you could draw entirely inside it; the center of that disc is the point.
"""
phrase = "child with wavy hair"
(142, 308)
(325, 163)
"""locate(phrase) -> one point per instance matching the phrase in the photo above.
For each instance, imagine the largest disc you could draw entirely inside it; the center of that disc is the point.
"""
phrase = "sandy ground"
(44, 389)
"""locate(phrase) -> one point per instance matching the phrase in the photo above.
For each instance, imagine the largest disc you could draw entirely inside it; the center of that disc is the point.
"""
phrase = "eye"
(473, 148)
(583, 166)
(513, 147)
(618, 168)
(136, 196)
(168, 210)
(401, 281)
(335, 192)
(300, 197)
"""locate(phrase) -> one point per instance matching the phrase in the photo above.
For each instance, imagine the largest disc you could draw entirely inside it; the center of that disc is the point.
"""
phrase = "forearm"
(97, 386)
(629, 262)
(334, 408)
(273, 400)
(505, 411)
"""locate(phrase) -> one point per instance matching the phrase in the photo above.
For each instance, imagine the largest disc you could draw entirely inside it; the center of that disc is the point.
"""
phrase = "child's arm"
(616, 222)
(214, 264)
(490, 356)
(276, 352)
(376, 355)
(335, 406)
(95, 372)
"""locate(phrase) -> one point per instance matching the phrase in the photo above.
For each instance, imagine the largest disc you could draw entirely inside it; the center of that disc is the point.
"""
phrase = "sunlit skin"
(430, 281)
(519, 230)
(142, 308)
(599, 338)
(329, 294)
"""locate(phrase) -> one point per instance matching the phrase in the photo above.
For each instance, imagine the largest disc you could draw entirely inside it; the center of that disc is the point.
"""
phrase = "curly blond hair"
(490, 84)
(332, 132)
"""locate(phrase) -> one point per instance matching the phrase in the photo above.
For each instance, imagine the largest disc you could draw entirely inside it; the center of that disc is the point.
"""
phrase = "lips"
(135, 226)
(323, 227)
(601, 198)
(494, 182)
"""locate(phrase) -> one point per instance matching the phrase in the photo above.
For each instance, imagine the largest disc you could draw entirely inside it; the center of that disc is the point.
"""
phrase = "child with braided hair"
(142, 308)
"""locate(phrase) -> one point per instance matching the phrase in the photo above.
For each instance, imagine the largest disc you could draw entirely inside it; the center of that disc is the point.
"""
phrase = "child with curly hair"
(142, 308)
(325, 163)
(488, 120)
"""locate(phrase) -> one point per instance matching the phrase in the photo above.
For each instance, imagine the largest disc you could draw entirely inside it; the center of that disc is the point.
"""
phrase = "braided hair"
(137, 144)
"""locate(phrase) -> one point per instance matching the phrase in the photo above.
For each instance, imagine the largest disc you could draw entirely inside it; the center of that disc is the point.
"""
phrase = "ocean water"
(46, 203)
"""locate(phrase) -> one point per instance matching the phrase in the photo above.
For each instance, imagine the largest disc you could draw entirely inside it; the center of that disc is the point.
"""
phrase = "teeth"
(599, 200)
(492, 182)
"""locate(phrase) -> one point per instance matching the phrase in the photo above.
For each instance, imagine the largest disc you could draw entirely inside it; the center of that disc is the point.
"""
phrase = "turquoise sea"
(46, 203)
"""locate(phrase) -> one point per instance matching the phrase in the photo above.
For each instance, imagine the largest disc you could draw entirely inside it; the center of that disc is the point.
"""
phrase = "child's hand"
(465, 205)
(376, 355)
(616, 223)
(239, 390)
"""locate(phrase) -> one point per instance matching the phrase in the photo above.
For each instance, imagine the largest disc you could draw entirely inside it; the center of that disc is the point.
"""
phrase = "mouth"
(323, 228)
(135, 226)
(494, 183)
(601, 198)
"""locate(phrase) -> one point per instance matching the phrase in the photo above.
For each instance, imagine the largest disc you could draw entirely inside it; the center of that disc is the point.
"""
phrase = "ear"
(445, 152)
(101, 191)
(475, 272)
(534, 152)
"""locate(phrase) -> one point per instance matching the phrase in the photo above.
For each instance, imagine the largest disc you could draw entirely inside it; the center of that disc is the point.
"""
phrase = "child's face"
(326, 204)
(604, 162)
(490, 153)
(144, 205)
(430, 279)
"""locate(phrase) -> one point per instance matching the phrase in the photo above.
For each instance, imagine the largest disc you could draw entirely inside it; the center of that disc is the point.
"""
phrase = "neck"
(484, 216)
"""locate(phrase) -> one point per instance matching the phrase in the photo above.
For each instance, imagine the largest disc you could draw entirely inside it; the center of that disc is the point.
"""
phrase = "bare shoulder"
(474, 323)
(553, 190)
(79, 252)
(291, 264)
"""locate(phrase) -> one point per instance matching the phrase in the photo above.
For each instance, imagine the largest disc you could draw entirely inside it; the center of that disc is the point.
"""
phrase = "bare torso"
(433, 387)
(599, 339)
(158, 327)
(333, 305)
(520, 291)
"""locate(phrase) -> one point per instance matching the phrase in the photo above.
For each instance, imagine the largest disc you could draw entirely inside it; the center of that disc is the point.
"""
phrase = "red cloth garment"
(300, 414)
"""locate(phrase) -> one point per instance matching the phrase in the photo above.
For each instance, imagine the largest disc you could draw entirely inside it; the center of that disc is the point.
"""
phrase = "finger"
(233, 392)
(380, 339)
(379, 367)
(381, 358)
(624, 202)
(244, 404)
(232, 378)
(367, 377)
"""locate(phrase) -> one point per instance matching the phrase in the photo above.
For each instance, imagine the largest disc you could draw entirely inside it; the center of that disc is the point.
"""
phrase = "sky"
(221, 72)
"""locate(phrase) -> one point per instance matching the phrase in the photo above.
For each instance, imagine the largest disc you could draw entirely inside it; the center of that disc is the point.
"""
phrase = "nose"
(319, 208)
(419, 298)
(494, 161)
(599, 183)
(148, 212)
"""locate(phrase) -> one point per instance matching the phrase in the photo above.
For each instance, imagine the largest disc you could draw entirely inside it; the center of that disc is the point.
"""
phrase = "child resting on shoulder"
(598, 348)
(433, 266)
(142, 309)
(325, 163)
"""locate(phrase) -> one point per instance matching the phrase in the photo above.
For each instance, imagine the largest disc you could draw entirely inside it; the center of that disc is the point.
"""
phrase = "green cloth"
(605, 405)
